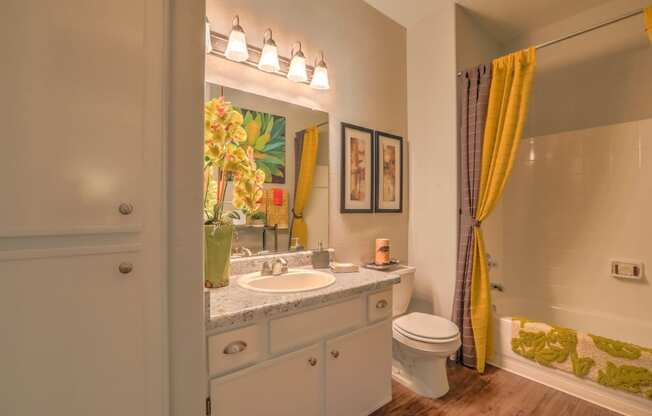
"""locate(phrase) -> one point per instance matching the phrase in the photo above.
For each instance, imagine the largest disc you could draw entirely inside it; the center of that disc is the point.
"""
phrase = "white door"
(72, 340)
(290, 385)
(81, 126)
(359, 371)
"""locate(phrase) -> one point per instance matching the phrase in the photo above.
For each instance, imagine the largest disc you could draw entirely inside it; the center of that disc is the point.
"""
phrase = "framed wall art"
(357, 169)
(388, 181)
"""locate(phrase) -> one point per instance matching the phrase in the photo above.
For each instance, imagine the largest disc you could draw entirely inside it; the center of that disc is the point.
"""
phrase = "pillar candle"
(382, 251)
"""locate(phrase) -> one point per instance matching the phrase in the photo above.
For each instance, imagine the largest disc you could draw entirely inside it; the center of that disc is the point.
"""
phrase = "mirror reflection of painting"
(358, 172)
(389, 173)
(266, 135)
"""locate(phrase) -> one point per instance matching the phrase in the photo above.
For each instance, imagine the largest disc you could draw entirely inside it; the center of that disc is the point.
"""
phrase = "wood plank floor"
(496, 393)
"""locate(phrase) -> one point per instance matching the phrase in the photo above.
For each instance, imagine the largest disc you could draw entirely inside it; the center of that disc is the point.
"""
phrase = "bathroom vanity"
(319, 352)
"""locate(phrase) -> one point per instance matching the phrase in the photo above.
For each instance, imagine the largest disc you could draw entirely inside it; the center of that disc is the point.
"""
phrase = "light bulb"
(297, 71)
(320, 76)
(236, 48)
(269, 56)
(209, 44)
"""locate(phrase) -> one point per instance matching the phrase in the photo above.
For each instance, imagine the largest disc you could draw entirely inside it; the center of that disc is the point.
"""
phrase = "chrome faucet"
(276, 267)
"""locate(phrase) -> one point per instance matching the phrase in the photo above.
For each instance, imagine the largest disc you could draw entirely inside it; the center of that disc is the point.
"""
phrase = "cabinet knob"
(381, 304)
(125, 268)
(126, 209)
(335, 353)
(235, 347)
(312, 361)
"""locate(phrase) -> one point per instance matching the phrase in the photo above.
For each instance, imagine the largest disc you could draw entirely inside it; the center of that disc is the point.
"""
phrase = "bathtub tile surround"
(577, 201)
(610, 363)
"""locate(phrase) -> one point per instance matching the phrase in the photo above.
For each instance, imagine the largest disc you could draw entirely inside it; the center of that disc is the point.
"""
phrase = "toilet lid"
(423, 326)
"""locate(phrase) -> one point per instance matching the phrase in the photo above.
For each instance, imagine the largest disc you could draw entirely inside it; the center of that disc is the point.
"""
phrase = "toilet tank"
(403, 291)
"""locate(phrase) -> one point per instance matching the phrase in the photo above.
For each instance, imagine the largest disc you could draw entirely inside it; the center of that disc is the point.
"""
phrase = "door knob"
(125, 209)
(335, 353)
(312, 361)
(125, 268)
(381, 304)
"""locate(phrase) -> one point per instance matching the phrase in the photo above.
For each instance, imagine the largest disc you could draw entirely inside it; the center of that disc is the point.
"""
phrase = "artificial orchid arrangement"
(227, 157)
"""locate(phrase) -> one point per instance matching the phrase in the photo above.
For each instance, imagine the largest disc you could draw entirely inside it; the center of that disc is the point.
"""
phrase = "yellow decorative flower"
(225, 155)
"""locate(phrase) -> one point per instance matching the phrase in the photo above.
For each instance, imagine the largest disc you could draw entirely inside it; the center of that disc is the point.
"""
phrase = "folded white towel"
(344, 267)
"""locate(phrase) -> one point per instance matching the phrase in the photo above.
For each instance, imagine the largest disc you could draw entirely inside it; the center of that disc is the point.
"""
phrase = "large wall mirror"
(289, 144)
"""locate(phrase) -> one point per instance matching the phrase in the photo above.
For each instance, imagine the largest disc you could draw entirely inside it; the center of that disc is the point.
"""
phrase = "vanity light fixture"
(236, 48)
(297, 71)
(320, 75)
(207, 35)
(269, 55)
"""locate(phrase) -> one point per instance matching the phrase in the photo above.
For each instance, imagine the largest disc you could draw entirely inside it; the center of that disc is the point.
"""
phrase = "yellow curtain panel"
(304, 183)
(648, 21)
(506, 113)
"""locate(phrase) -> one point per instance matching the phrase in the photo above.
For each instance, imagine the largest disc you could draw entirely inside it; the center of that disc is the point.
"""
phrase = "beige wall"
(433, 156)
(365, 52)
(474, 45)
(595, 79)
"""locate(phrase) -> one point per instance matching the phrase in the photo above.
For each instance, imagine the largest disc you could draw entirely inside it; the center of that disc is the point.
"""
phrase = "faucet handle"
(266, 269)
(284, 264)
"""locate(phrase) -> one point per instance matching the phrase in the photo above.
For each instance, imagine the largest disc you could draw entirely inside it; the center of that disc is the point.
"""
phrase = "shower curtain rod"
(586, 30)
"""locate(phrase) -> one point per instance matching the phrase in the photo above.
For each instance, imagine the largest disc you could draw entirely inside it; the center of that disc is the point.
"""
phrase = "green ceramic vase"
(217, 253)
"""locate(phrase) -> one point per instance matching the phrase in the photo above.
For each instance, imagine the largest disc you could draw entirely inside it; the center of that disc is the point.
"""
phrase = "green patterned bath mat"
(611, 363)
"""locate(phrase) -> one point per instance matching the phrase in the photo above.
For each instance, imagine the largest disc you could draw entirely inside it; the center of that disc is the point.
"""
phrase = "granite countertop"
(233, 304)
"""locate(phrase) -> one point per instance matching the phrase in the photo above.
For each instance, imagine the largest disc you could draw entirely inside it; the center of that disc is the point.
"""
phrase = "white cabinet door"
(359, 371)
(73, 335)
(72, 116)
(290, 385)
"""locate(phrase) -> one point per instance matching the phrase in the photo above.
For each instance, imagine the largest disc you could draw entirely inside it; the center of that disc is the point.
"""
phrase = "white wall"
(365, 52)
(433, 157)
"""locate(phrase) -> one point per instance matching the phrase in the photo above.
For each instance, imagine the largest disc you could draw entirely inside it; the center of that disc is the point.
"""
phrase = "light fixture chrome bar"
(254, 56)
(585, 30)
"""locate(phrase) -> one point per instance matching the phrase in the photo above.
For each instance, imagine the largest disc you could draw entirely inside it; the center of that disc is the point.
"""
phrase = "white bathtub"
(637, 332)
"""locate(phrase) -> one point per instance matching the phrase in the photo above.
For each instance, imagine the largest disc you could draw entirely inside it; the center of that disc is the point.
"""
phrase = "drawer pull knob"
(126, 209)
(335, 353)
(125, 268)
(381, 304)
(235, 347)
(312, 361)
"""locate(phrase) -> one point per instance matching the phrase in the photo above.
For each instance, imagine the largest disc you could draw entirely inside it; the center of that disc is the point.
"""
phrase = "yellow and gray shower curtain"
(473, 98)
(306, 146)
(509, 93)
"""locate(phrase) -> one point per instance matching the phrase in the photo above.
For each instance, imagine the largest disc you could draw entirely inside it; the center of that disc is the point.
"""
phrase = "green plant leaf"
(261, 141)
(272, 145)
(273, 159)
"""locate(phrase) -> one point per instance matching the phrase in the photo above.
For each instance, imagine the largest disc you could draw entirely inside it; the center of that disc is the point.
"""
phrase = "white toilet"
(422, 343)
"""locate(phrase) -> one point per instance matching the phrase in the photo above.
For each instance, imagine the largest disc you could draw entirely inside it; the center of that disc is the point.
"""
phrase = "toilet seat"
(423, 327)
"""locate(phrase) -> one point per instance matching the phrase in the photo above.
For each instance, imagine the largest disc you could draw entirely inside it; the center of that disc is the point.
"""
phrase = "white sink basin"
(295, 280)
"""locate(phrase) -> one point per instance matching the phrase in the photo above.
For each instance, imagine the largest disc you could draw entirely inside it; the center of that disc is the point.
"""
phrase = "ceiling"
(504, 19)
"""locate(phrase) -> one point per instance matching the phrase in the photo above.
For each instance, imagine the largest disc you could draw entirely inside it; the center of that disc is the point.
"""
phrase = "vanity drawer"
(304, 327)
(236, 348)
(380, 306)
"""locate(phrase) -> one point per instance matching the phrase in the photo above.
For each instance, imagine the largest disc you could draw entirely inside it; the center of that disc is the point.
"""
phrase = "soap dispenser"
(321, 258)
